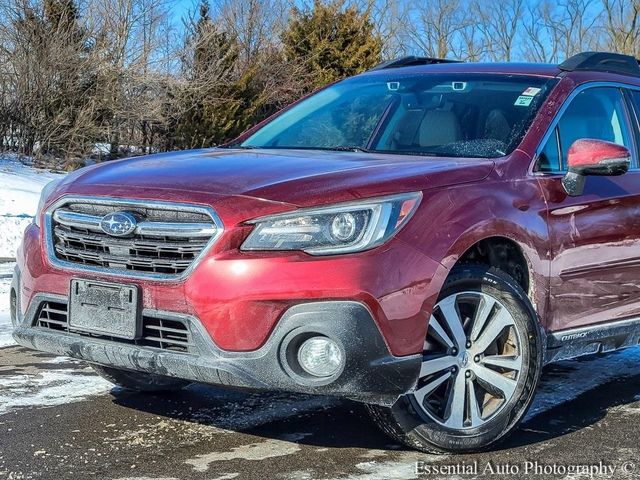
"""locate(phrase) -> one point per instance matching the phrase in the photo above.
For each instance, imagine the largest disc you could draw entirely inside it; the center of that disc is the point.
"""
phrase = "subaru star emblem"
(464, 361)
(118, 224)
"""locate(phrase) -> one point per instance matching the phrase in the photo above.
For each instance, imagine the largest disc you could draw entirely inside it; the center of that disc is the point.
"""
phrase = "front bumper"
(243, 309)
(371, 374)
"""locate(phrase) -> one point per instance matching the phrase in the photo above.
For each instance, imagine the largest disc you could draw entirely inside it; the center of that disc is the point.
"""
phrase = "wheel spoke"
(496, 325)
(506, 385)
(448, 309)
(456, 403)
(482, 316)
(461, 384)
(509, 362)
(474, 406)
(438, 332)
(422, 392)
(429, 367)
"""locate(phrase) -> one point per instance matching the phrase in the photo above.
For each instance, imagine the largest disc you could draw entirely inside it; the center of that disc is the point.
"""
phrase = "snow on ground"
(50, 387)
(20, 187)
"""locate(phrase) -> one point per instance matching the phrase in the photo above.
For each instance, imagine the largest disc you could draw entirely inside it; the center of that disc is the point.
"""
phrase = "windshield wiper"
(337, 148)
(346, 148)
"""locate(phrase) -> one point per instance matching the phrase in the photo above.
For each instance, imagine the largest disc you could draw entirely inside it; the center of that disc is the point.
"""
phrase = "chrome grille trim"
(186, 243)
(162, 229)
(78, 220)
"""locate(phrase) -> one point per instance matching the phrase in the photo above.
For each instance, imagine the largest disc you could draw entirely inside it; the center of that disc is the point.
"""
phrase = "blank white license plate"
(103, 308)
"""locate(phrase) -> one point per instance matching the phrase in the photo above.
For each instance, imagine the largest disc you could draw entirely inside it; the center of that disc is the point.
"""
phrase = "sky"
(181, 7)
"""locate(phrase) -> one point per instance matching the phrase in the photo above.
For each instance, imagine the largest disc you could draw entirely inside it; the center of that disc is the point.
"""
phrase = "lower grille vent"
(157, 332)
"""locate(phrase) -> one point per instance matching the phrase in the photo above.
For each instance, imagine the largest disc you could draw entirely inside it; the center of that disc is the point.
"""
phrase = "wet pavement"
(59, 421)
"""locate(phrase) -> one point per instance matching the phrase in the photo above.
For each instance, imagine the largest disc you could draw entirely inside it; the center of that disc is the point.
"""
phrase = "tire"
(502, 388)
(139, 382)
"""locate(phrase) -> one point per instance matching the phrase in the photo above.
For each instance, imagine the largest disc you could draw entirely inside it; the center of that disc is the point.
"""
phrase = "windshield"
(462, 115)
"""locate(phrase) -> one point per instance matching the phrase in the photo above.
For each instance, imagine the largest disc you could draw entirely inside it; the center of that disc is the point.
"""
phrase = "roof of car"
(537, 69)
(589, 63)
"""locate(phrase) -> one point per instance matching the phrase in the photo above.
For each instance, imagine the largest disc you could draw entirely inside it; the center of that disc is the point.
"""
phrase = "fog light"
(320, 357)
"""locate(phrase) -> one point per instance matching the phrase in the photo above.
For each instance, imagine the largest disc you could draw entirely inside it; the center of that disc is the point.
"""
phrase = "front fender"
(451, 220)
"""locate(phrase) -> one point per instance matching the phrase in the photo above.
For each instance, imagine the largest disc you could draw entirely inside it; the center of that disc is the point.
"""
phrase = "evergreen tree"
(332, 41)
(219, 94)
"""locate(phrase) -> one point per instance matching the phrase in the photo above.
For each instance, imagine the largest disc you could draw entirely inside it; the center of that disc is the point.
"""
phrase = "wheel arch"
(511, 243)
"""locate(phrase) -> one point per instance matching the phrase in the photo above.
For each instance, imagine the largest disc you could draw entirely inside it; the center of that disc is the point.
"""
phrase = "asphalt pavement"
(58, 421)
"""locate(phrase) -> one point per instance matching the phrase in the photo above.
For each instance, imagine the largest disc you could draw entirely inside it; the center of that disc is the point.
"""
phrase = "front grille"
(166, 241)
(157, 332)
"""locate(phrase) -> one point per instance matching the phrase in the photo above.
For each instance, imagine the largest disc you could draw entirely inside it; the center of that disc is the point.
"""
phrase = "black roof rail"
(602, 62)
(411, 61)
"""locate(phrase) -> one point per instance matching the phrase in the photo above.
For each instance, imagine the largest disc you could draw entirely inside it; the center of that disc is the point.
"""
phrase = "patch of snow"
(19, 195)
(6, 269)
(252, 452)
(11, 230)
(65, 360)
(567, 380)
(101, 149)
(403, 468)
(384, 471)
(20, 187)
(49, 388)
(299, 475)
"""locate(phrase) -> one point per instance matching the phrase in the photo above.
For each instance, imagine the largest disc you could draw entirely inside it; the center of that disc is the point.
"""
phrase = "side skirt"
(567, 344)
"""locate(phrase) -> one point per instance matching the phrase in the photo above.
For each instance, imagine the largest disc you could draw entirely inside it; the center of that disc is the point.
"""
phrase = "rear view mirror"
(593, 157)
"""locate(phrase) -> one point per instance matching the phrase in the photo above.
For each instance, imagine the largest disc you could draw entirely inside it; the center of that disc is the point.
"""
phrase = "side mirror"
(593, 157)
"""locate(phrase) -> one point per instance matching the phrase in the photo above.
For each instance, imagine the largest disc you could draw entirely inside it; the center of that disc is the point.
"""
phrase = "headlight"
(345, 228)
(44, 196)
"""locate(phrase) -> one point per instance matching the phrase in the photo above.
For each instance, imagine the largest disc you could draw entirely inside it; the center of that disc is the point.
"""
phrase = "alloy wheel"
(471, 361)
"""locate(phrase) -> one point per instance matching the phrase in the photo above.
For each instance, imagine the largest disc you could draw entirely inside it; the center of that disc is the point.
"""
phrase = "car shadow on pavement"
(317, 421)
(331, 423)
(585, 410)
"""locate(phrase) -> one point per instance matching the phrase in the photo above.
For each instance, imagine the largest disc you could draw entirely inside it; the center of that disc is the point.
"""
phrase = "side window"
(634, 98)
(594, 113)
(549, 160)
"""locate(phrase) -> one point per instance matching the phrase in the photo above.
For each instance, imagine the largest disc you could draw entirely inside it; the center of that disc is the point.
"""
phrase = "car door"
(595, 237)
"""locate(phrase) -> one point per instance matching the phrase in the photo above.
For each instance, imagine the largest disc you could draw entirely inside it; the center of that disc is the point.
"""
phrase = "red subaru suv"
(422, 238)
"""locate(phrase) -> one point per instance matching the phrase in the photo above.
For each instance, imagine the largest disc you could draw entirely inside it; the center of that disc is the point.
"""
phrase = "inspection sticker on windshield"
(531, 91)
(523, 101)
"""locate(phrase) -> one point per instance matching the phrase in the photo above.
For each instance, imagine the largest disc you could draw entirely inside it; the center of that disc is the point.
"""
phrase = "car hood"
(297, 177)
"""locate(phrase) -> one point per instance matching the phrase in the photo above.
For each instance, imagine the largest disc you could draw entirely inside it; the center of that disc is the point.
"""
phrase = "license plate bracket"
(103, 308)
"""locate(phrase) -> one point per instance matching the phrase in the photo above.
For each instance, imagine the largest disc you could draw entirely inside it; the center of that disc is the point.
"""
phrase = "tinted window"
(634, 96)
(461, 115)
(549, 159)
(596, 113)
